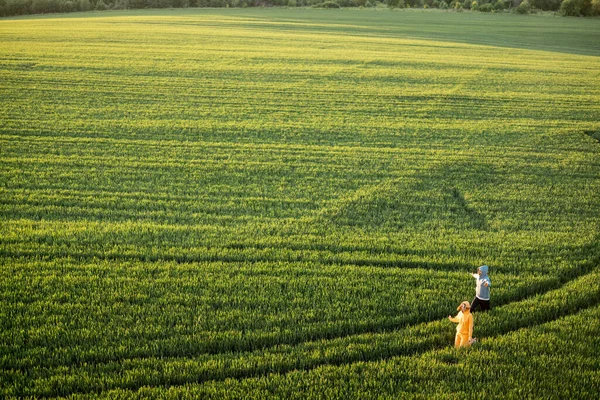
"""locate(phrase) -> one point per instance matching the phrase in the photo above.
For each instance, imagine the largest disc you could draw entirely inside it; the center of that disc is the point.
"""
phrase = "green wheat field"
(287, 203)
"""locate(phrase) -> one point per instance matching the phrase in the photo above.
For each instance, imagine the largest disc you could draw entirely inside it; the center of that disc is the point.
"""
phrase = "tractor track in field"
(324, 255)
(416, 352)
(350, 349)
(244, 258)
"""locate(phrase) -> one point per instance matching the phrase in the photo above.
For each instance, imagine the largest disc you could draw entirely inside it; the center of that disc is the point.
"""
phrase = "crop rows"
(540, 362)
(109, 371)
(208, 203)
(278, 203)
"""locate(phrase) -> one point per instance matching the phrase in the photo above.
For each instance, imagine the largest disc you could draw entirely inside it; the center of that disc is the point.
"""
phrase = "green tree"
(39, 6)
(395, 3)
(575, 8)
(85, 5)
(121, 5)
(546, 5)
(523, 8)
(101, 6)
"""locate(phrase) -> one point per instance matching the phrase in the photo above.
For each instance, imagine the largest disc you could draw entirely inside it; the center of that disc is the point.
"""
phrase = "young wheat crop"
(287, 202)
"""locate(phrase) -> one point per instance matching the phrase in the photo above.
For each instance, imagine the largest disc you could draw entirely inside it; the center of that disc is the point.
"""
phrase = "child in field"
(482, 290)
(464, 329)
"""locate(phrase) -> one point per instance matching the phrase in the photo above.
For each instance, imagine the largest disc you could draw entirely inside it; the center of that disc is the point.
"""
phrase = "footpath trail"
(578, 294)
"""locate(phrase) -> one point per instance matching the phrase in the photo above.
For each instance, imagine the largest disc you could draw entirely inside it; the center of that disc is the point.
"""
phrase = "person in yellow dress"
(464, 330)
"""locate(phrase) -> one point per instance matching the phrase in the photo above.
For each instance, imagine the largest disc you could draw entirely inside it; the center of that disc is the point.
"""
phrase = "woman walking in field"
(464, 330)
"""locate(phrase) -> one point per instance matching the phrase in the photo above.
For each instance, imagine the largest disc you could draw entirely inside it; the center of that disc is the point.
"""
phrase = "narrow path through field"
(574, 295)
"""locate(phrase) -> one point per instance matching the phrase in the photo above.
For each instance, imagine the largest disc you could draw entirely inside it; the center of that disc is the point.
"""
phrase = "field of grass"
(287, 203)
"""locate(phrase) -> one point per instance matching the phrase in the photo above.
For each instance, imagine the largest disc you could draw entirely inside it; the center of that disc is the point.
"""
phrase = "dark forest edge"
(561, 7)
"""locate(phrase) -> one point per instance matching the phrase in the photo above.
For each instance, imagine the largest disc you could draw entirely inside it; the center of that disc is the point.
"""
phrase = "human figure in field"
(482, 289)
(464, 329)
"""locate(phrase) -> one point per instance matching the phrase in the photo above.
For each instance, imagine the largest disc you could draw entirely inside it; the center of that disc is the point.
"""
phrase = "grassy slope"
(551, 360)
(287, 177)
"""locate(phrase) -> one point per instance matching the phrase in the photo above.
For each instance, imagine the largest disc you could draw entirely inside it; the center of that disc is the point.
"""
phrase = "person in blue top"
(482, 290)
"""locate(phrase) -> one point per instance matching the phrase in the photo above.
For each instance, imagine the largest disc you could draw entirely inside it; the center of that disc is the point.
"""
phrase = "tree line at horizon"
(563, 7)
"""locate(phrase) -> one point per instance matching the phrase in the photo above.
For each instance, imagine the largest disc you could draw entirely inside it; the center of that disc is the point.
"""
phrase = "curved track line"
(555, 304)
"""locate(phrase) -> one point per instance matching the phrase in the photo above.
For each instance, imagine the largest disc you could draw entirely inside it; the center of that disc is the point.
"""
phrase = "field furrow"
(190, 367)
(251, 199)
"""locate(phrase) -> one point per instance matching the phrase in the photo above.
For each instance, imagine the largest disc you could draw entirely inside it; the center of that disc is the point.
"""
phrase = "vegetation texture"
(575, 8)
(288, 203)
